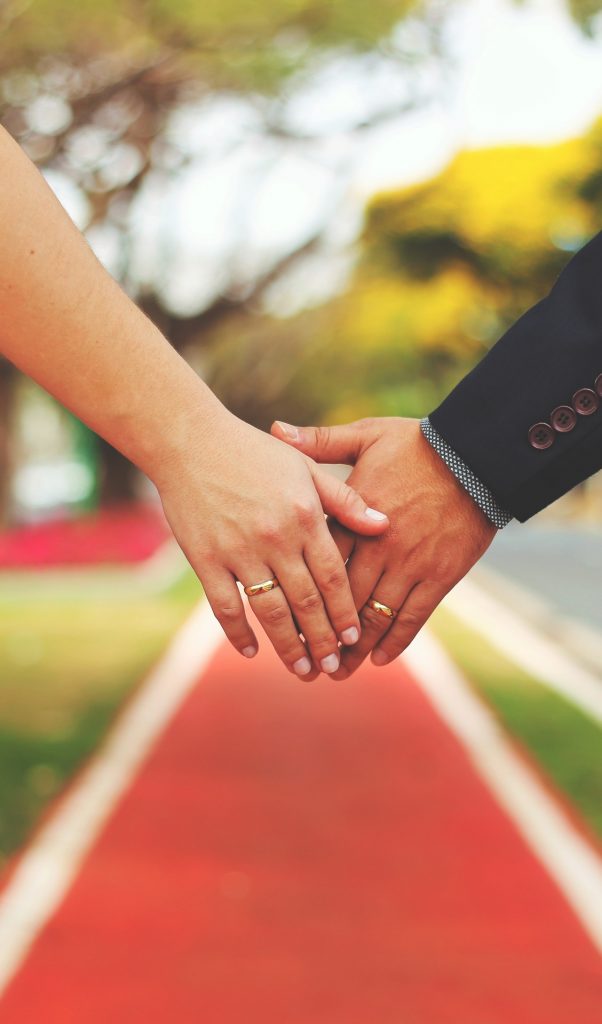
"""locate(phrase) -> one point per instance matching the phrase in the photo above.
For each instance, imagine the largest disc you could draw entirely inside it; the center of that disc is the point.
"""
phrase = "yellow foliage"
(449, 313)
(521, 196)
(469, 249)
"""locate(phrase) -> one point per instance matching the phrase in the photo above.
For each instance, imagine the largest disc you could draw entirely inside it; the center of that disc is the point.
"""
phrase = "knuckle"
(309, 602)
(323, 435)
(444, 570)
(206, 557)
(348, 498)
(306, 514)
(323, 641)
(409, 621)
(291, 651)
(228, 613)
(365, 425)
(276, 615)
(270, 531)
(290, 648)
(333, 577)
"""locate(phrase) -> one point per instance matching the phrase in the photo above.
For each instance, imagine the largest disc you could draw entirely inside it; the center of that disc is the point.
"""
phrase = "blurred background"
(332, 210)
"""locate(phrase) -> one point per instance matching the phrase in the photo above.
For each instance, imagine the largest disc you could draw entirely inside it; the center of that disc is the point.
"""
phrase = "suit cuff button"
(563, 419)
(585, 401)
(541, 435)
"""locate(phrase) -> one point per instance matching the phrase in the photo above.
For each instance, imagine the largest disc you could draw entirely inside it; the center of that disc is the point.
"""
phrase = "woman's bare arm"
(242, 505)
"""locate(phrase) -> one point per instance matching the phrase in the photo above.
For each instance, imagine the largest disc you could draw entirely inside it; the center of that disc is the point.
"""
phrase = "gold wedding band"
(381, 609)
(262, 588)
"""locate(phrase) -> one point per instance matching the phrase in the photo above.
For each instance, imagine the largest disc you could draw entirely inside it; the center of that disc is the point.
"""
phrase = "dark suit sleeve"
(550, 358)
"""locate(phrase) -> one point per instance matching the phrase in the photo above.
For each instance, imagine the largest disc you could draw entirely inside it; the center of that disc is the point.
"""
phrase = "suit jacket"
(528, 419)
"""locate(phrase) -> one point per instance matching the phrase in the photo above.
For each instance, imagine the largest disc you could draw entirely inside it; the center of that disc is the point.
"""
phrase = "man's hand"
(436, 535)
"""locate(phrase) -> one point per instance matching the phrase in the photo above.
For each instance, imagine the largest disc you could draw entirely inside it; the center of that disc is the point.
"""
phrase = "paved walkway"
(561, 564)
(309, 854)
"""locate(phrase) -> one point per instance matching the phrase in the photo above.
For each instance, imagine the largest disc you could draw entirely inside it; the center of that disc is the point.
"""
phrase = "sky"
(525, 73)
(517, 73)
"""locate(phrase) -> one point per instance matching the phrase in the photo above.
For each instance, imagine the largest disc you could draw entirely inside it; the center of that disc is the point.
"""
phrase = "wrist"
(184, 430)
(474, 489)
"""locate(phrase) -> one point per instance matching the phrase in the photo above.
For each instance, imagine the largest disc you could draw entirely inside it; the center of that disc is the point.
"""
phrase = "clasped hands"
(402, 531)
(435, 535)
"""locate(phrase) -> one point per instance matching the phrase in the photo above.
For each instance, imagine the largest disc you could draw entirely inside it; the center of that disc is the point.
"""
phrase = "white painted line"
(581, 641)
(49, 866)
(569, 859)
(525, 646)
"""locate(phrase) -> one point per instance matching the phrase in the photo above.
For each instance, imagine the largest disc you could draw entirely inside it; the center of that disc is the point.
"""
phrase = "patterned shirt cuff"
(479, 493)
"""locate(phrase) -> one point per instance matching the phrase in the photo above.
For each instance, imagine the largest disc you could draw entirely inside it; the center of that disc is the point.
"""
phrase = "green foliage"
(253, 43)
(586, 13)
(67, 661)
(33, 769)
(235, 32)
(506, 216)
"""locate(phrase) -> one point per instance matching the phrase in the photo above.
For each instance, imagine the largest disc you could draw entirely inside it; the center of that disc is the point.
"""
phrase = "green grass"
(66, 664)
(564, 741)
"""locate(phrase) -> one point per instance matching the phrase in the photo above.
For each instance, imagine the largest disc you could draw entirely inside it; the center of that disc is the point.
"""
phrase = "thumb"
(346, 506)
(323, 444)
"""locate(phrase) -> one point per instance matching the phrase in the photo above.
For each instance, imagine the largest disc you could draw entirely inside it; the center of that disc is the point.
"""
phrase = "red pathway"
(309, 854)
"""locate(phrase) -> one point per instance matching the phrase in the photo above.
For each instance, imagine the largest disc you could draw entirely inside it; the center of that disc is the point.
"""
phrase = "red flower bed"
(121, 534)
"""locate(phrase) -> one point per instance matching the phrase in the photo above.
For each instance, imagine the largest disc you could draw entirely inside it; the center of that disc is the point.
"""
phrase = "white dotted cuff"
(479, 493)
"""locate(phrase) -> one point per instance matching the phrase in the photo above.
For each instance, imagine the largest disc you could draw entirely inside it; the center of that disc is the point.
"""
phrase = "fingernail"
(330, 663)
(380, 658)
(350, 636)
(373, 514)
(249, 652)
(302, 666)
(289, 430)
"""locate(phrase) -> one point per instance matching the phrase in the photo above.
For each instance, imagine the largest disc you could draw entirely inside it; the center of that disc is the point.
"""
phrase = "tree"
(444, 268)
(91, 90)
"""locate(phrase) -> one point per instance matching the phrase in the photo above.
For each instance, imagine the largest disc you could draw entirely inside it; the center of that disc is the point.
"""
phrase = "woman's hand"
(436, 535)
(242, 505)
(245, 507)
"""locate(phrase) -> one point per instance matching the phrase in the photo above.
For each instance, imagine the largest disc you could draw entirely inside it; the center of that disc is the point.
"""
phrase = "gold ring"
(381, 609)
(262, 588)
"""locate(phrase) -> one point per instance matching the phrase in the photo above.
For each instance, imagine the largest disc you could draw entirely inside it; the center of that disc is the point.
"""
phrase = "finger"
(327, 569)
(273, 611)
(414, 613)
(346, 505)
(365, 568)
(227, 606)
(308, 609)
(342, 443)
(392, 591)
